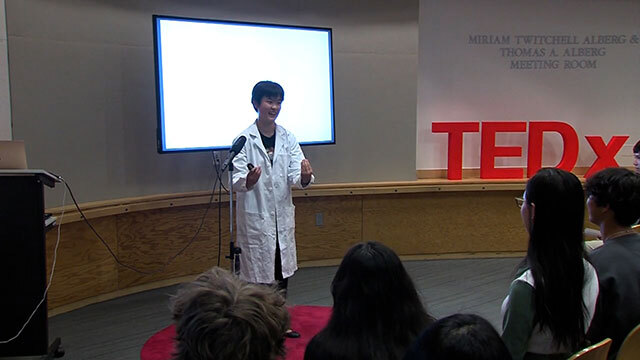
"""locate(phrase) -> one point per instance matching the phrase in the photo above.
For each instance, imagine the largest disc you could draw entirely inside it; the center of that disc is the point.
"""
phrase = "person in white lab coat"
(270, 162)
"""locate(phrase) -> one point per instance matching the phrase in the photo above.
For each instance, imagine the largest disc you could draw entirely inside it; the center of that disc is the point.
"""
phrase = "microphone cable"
(216, 166)
(171, 259)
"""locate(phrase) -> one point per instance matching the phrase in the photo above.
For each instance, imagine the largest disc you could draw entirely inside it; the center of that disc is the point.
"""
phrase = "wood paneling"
(84, 267)
(341, 228)
(416, 219)
(144, 203)
(149, 239)
(452, 222)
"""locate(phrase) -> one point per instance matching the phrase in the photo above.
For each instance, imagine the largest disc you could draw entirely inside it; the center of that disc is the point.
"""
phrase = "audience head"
(553, 208)
(377, 311)
(219, 316)
(553, 213)
(371, 278)
(267, 89)
(614, 193)
(461, 337)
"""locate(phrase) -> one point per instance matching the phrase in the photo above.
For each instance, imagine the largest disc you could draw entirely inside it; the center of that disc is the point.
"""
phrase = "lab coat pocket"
(289, 218)
(253, 224)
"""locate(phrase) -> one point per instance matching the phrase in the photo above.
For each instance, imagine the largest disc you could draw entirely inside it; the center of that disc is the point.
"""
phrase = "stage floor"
(117, 329)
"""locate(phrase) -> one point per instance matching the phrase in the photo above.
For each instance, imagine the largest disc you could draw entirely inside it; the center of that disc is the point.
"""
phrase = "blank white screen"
(206, 71)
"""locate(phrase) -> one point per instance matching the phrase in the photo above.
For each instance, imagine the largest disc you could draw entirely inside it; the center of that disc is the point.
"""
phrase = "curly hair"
(219, 316)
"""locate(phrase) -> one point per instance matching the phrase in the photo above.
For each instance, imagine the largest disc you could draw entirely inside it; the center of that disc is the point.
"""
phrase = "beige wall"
(83, 93)
(5, 107)
(459, 80)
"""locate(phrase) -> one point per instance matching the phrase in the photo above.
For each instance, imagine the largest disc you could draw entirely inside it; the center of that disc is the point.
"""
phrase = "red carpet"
(307, 320)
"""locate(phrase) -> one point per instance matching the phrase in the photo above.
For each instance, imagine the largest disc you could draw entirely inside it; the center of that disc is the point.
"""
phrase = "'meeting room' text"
(553, 52)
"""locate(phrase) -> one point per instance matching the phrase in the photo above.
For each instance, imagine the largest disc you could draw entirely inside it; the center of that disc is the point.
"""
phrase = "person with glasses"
(552, 299)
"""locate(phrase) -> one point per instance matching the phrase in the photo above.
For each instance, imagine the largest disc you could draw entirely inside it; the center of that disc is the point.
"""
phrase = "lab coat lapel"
(257, 141)
(280, 142)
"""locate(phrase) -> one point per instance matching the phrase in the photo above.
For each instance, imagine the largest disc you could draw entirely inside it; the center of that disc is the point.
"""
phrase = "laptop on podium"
(13, 161)
(13, 155)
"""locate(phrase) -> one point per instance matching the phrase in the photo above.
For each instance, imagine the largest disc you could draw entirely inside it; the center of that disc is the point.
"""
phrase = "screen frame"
(160, 133)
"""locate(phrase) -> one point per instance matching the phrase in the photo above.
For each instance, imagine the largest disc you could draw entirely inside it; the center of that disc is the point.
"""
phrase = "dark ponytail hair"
(555, 254)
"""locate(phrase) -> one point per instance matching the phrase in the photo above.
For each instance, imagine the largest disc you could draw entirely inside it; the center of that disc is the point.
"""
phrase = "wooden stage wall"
(419, 219)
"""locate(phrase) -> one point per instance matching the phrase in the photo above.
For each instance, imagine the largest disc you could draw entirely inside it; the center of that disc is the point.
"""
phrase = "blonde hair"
(219, 316)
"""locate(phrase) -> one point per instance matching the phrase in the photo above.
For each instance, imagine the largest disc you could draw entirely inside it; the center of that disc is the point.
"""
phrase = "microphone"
(235, 149)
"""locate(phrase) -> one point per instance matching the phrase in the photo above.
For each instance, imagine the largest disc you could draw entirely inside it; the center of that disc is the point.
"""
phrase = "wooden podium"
(23, 273)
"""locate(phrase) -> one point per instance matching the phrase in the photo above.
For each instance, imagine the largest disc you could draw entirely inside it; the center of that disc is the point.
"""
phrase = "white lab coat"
(266, 204)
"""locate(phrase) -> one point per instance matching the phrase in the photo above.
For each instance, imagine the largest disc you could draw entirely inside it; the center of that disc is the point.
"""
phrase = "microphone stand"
(234, 252)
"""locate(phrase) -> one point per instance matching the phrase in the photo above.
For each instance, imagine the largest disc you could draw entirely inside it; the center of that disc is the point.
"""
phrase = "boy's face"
(595, 212)
(636, 162)
(268, 109)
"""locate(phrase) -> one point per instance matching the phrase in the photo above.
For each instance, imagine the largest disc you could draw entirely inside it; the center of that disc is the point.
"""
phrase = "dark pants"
(281, 282)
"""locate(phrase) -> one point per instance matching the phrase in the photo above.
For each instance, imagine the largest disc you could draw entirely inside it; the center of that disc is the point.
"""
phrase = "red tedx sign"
(605, 152)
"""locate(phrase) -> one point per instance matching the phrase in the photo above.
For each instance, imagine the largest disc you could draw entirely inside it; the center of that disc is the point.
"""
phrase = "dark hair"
(555, 254)
(636, 147)
(377, 311)
(269, 89)
(461, 337)
(219, 316)
(618, 188)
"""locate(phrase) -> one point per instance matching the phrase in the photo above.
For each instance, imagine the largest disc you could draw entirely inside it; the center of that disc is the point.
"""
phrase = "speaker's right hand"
(253, 176)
